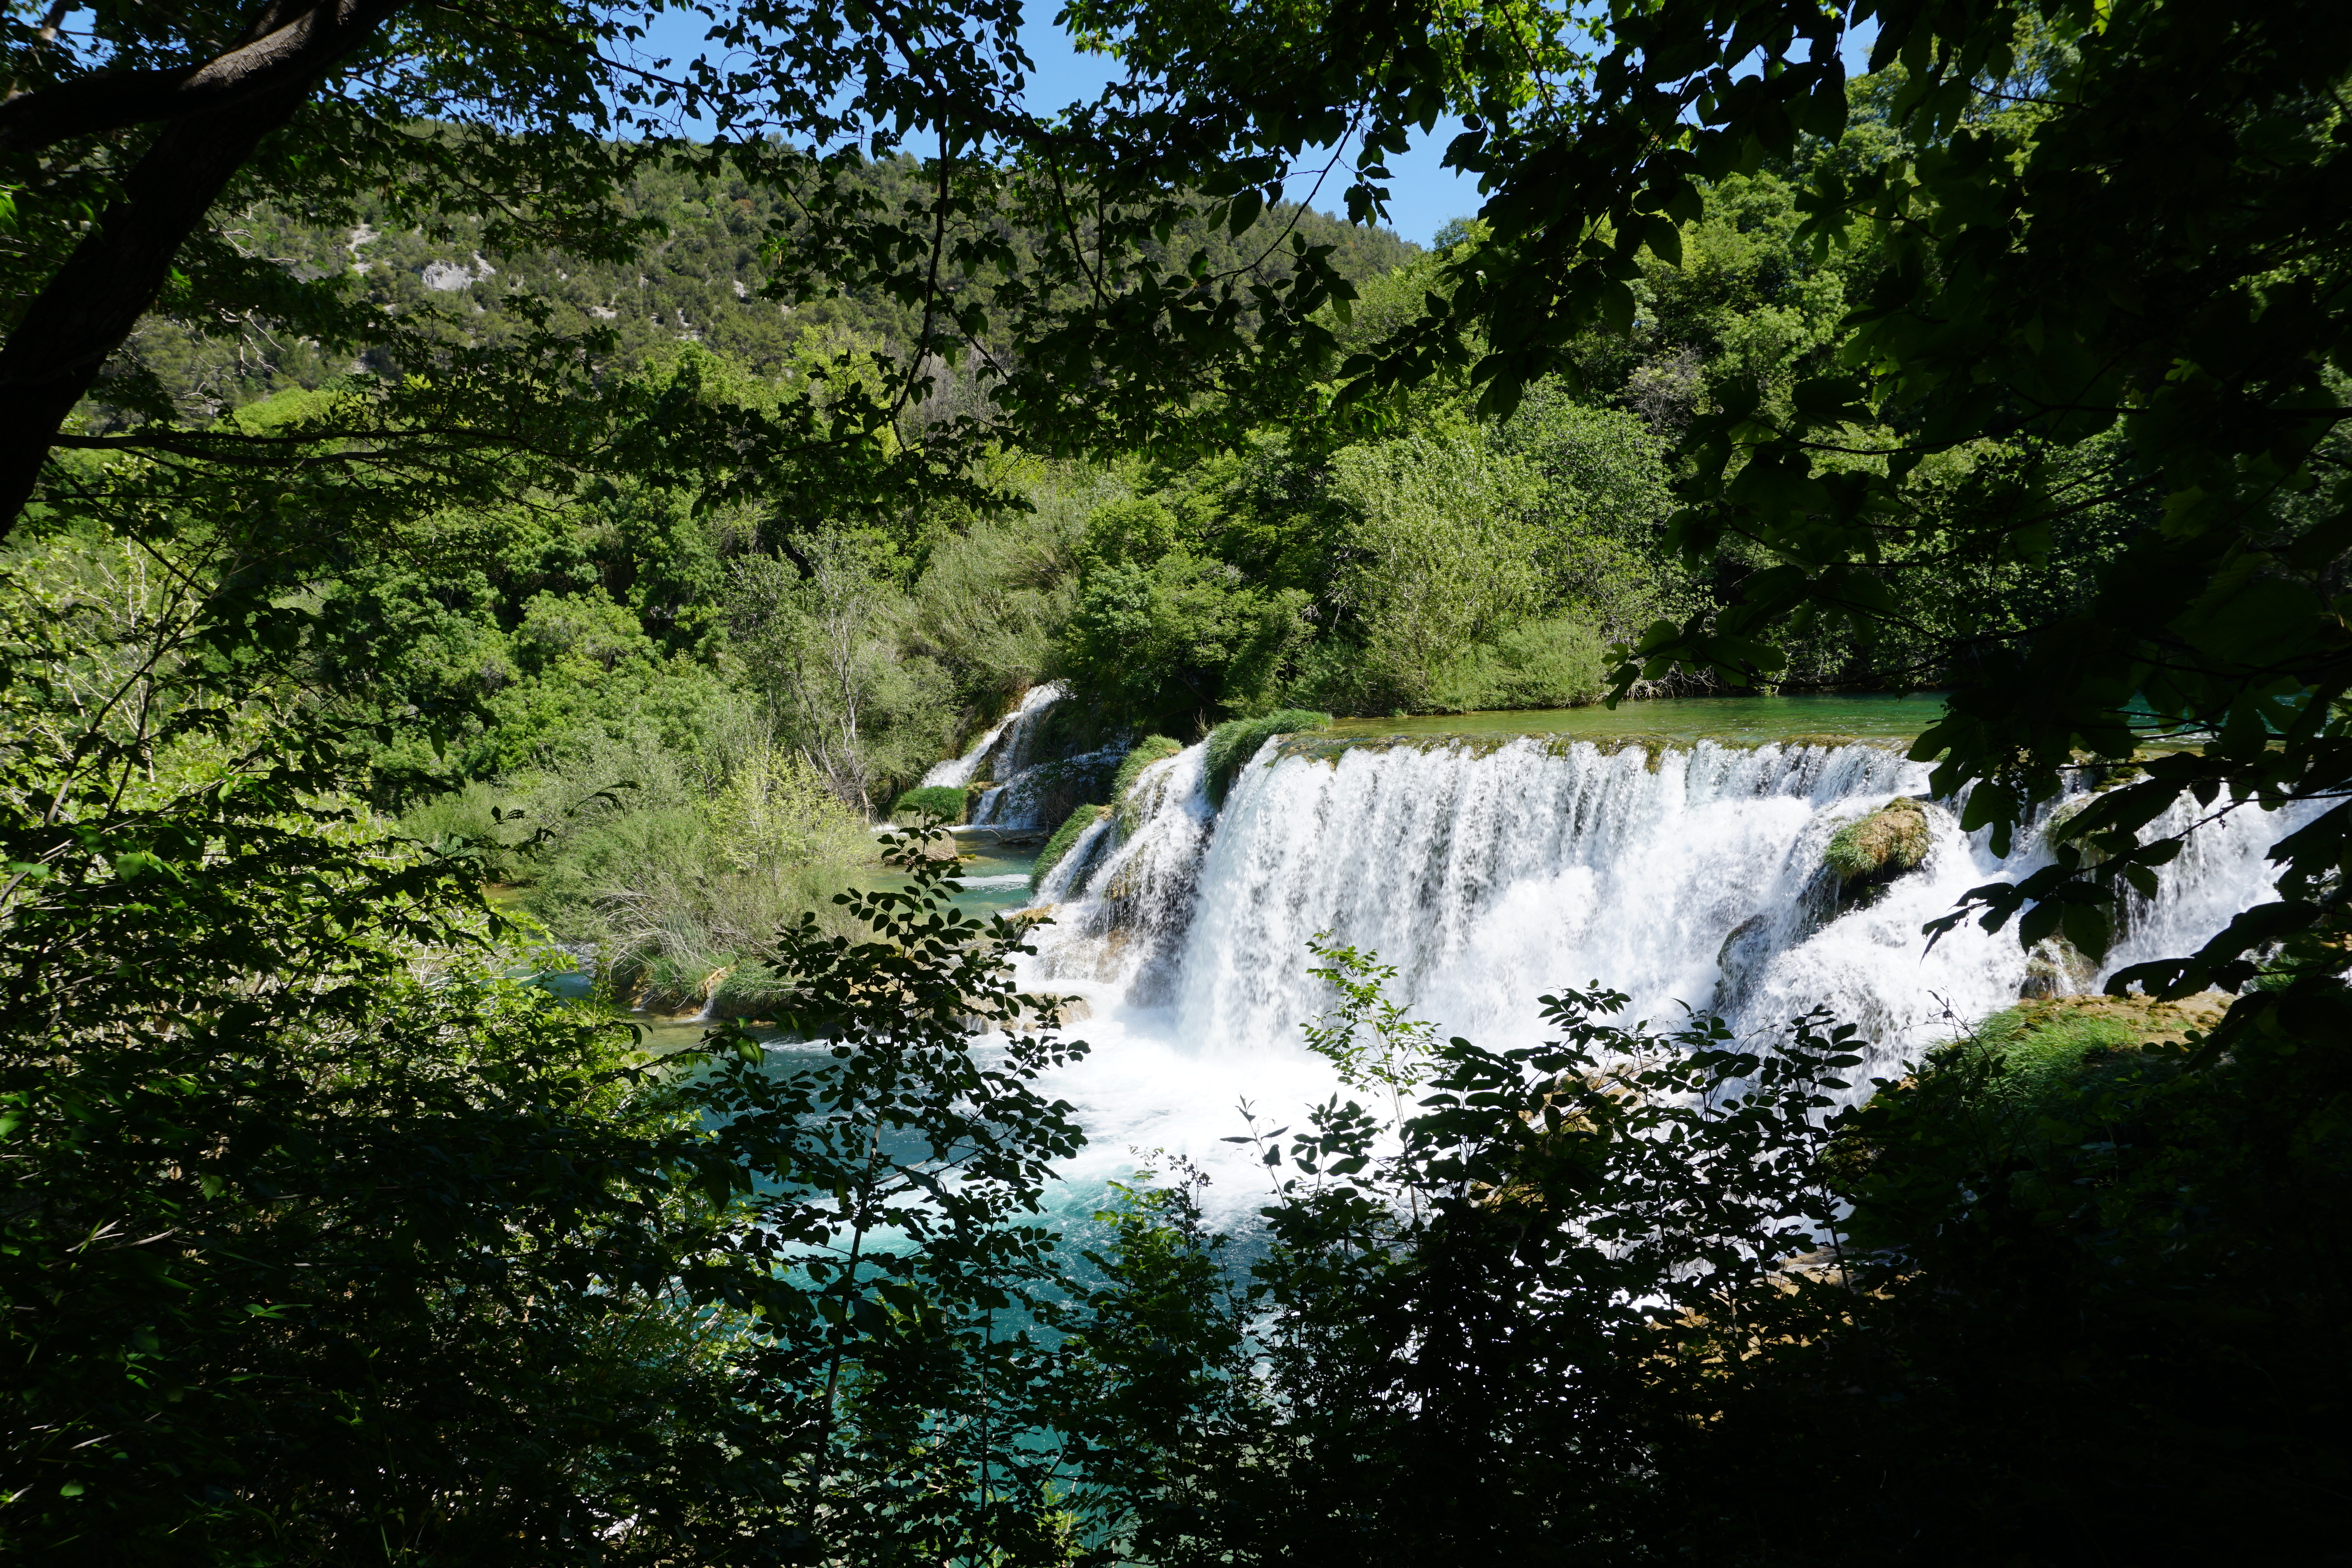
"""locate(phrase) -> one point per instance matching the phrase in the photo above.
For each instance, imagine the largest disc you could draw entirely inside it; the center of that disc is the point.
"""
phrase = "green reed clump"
(1882, 846)
(1231, 745)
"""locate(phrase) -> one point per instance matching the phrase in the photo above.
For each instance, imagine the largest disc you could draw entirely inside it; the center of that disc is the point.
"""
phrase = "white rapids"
(1489, 874)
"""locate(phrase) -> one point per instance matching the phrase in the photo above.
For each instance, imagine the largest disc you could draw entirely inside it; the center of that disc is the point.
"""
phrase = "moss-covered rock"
(1230, 745)
(2039, 1052)
(2056, 833)
(1882, 846)
(944, 802)
(2026, 1085)
(1073, 828)
(2054, 968)
(1052, 791)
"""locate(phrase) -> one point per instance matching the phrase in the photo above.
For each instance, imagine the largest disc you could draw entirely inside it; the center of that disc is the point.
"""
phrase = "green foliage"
(1398, 1054)
(683, 888)
(1600, 511)
(316, 1186)
(2136, 1234)
(1180, 642)
(1590, 1299)
(1130, 530)
(342, 1237)
(921, 1155)
(1452, 570)
(990, 601)
(1465, 1343)
(1537, 664)
(1400, 1050)
(1441, 559)
(942, 802)
(1231, 745)
(1073, 828)
(468, 227)
(1882, 846)
(821, 640)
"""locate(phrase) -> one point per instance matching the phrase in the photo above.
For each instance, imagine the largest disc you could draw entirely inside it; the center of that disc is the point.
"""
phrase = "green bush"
(1230, 745)
(1161, 643)
(1557, 662)
(684, 889)
(945, 802)
(1073, 828)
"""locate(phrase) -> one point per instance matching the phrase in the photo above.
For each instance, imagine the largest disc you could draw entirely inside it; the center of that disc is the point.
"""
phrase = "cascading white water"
(1491, 873)
(1006, 747)
(1023, 785)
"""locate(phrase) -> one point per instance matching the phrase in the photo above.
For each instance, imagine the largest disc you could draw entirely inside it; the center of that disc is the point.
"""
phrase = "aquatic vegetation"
(1882, 846)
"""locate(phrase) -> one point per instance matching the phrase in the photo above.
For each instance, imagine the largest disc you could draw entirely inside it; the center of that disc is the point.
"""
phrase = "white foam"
(1490, 875)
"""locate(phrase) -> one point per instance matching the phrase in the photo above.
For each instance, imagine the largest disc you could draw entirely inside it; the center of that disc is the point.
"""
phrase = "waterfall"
(1003, 751)
(1491, 873)
(1026, 787)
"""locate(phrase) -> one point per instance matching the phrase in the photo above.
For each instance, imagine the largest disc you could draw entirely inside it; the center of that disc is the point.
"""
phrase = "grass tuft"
(945, 802)
(1882, 846)
(1230, 745)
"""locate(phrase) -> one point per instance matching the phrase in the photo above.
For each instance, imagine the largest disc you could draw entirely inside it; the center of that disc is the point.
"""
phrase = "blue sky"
(1421, 195)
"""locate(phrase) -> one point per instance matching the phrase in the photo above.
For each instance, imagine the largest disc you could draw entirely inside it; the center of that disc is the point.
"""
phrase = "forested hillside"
(699, 274)
(615, 664)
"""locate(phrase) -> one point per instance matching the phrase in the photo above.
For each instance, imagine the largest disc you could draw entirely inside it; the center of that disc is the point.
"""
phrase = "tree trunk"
(112, 278)
(113, 275)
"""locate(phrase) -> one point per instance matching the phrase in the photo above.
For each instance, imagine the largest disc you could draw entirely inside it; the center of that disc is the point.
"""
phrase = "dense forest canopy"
(456, 522)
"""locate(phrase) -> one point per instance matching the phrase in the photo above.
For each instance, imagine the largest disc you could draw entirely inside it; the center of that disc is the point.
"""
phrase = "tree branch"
(117, 100)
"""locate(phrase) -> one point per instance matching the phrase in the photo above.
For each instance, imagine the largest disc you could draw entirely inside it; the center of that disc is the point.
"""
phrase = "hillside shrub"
(1557, 662)
(1231, 745)
(945, 802)
(684, 891)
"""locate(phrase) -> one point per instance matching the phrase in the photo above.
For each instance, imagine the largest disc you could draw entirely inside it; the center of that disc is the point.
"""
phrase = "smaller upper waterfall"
(1024, 780)
(1003, 750)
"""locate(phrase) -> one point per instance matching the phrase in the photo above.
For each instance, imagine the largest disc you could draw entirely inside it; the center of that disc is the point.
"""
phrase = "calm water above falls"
(1740, 721)
(1491, 866)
